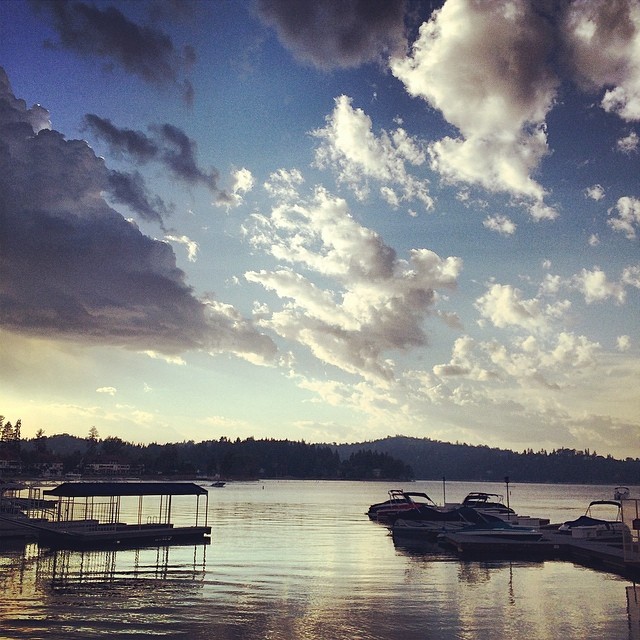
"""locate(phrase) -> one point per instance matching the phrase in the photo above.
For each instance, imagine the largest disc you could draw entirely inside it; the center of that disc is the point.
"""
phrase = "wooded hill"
(433, 460)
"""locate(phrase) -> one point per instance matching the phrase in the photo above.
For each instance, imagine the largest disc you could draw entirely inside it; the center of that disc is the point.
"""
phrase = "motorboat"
(428, 524)
(499, 529)
(399, 503)
(488, 503)
(493, 504)
(416, 505)
(497, 538)
(593, 526)
(621, 493)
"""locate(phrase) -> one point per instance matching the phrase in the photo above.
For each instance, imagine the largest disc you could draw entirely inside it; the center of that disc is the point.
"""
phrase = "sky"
(329, 221)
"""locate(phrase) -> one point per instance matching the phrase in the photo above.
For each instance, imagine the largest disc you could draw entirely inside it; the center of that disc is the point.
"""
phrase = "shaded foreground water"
(299, 560)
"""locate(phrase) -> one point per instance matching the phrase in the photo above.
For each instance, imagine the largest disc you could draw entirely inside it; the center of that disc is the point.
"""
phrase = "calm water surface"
(300, 560)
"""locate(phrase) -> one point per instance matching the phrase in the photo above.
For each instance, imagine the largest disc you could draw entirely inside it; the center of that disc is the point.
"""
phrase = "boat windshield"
(610, 510)
(482, 498)
(420, 498)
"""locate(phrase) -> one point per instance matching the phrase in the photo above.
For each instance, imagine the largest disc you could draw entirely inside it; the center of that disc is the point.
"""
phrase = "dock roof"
(92, 489)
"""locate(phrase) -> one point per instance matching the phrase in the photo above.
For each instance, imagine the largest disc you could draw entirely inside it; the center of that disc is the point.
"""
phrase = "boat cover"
(89, 489)
(587, 521)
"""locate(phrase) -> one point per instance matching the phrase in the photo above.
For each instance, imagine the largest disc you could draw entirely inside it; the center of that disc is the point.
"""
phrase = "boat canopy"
(91, 489)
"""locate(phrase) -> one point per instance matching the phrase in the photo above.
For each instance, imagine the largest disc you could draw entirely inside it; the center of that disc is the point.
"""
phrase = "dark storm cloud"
(144, 51)
(169, 146)
(71, 266)
(130, 189)
(337, 33)
(133, 143)
(179, 155)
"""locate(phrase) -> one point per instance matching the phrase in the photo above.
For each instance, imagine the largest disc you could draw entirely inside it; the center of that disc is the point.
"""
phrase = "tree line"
(231, 459)
(399, 458)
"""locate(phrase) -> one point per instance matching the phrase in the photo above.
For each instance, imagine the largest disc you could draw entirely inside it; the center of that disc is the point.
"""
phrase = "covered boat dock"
(89, 514)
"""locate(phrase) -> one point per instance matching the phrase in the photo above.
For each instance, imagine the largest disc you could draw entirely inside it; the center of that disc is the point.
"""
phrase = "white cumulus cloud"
(595, 192)
(501, 224)
(484, 66)
(349, 145)
(623, 343)
(191, 245)
(505, 306)
(110, 391)
(242, 182)
(596, 286)
(625, 217)
(628, 144)
(373, 301)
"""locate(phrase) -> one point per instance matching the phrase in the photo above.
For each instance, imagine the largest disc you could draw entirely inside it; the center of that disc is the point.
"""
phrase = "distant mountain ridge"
(433, 460)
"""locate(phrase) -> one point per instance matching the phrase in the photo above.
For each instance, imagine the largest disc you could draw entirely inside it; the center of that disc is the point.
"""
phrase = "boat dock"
(604, 556)
(88, 514)
(608, 545)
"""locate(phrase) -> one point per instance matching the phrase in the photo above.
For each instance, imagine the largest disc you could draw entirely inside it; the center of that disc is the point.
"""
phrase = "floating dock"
(606, 556)
(606, 545)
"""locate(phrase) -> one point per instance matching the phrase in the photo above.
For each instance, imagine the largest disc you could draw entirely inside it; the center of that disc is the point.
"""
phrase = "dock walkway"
(606, 556)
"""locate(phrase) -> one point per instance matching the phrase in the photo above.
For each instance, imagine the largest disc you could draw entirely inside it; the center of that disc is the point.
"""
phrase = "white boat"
(498, 538)
(595, 524)
(499, 531)
(492, 503)
(428, 524)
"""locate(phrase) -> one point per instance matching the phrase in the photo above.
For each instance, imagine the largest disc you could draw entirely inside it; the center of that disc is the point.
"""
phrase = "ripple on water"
(297, 560)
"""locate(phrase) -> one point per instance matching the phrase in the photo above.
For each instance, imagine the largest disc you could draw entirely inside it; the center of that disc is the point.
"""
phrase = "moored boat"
(429, 524)
(400, 503)
(492, 503)
(494, 538)
(419, 506)
(588, 526)
(499, 530)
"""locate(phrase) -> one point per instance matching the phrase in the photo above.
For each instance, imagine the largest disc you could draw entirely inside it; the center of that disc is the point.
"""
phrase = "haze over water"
(300, 560)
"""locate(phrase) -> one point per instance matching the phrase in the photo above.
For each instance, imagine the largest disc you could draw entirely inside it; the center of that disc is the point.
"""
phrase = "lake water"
(293, 560)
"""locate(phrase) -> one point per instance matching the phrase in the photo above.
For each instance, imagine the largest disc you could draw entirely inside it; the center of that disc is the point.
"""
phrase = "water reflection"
(68, 569)
(89, 592)
(633, 611)
(300, 561)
